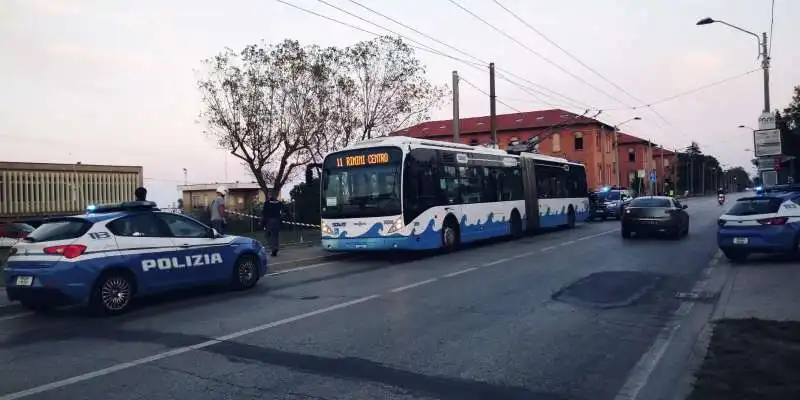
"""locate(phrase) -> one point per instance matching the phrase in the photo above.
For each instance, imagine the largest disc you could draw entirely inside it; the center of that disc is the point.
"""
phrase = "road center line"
(495, 262)
(457, 273)
(406, 287)
(287, 271)
(177, 351)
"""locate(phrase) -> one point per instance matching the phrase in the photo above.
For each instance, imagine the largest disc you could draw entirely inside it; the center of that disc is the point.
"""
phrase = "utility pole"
(616, 154)
(492, 106)
(603, 171)
(691, 174)
(703, 177)
(185, 177)
(649, 168)
(765, 66)
(456, 119)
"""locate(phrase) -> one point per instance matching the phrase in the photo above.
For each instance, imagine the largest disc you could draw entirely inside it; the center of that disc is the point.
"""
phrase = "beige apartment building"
(35, 190)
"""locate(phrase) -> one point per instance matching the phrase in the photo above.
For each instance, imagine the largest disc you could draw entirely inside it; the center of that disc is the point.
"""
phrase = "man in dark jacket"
(271, 221)
(140, 193)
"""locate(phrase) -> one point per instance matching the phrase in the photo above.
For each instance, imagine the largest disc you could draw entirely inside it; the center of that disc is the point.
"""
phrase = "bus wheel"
(516, 225)
(449, 236)
(571, 218)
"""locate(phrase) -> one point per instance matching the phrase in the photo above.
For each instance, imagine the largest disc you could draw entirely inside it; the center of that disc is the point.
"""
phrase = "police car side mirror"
(214, 234)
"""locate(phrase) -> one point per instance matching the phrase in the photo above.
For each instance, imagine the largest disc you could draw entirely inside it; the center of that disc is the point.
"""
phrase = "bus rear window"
(756, 205)
(62, 229)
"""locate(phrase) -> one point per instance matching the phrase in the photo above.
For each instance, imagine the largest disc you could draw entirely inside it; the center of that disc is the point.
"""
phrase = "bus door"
(530, 192)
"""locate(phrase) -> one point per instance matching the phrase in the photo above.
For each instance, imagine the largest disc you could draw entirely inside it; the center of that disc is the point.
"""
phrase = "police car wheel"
(112, 293)
(245, 274)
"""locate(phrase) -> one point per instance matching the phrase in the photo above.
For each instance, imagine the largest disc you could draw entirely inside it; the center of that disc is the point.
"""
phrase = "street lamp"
(616, 144)
(746, 127)
(763, 53)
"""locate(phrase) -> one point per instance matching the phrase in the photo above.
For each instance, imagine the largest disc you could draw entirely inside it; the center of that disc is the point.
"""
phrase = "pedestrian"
(217, 210)
(140, 194)
(271, 221)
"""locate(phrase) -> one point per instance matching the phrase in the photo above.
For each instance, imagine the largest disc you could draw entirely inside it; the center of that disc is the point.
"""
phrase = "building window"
(666, 161)
(631, 155)
(599, 141)
(609, 144)
(556, 143)
(578, 141)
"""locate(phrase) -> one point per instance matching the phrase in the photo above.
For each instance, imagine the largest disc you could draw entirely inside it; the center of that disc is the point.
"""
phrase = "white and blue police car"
(766, 223)
(115, 253)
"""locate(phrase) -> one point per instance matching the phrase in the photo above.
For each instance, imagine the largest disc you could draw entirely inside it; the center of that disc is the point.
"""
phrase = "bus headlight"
(396, 225)
(326, 229)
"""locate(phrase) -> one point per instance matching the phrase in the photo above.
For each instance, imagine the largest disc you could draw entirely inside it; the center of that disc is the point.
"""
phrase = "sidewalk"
(754, 348)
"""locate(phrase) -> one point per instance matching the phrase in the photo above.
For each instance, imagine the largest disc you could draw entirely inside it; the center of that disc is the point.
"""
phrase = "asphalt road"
(561, 315)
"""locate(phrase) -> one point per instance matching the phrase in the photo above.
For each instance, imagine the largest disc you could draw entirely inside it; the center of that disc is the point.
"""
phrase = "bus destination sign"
(360, 160)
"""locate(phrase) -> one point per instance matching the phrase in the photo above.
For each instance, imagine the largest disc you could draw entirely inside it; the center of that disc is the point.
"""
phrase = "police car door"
(146, 246)
(206, 258)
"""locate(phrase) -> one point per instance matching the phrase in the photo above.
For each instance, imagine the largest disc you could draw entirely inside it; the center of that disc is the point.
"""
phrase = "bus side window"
(420, 183)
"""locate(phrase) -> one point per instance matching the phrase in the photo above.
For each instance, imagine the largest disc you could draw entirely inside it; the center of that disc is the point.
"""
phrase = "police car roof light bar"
(124, 206)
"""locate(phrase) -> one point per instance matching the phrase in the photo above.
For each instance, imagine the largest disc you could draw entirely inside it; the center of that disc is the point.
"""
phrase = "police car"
(768, 223)
(115, 253)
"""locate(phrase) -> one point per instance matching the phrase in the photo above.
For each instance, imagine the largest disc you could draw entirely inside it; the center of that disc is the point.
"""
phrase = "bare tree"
(391, 88)
(266, 104)
(279, 107)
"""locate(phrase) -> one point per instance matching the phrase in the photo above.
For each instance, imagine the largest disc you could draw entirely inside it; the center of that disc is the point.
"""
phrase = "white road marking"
(180, 350)
(568, 243)
(406, 287)
(647, 364)
(500, 261)
(287, 271)
(641, 372)
(457, 273)
(15, 316)
(548, 248)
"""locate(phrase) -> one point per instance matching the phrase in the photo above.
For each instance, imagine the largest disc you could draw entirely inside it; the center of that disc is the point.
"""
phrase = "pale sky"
(113, 82)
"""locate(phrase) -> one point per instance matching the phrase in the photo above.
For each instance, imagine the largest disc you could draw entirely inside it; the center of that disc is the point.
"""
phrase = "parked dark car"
(655, 215)
(609, 203)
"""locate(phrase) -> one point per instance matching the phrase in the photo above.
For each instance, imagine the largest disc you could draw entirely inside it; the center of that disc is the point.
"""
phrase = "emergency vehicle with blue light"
(115, 253)
(765, 223)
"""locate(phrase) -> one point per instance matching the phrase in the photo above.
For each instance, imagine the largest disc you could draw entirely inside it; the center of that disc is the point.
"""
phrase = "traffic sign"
(652, 176)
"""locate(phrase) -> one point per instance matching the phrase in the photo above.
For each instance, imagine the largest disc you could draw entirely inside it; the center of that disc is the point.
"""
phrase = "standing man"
(217, 210)
(140, 194)
(271, 221)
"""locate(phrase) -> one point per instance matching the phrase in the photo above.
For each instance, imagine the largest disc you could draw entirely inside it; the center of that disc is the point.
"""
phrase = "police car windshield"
(608, 196)
(372, 191)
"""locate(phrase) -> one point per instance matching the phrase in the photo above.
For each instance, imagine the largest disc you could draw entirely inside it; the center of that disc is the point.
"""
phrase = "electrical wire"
(460, 78)
(537, 54)
(771, 26)
(701, 88)
(563, 50)
(425, 47)
(483, 62)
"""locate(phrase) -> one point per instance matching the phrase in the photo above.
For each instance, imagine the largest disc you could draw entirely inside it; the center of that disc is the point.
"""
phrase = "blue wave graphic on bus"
(430, 238)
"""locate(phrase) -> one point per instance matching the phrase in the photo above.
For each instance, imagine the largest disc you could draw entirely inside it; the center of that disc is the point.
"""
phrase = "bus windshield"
(361, 183)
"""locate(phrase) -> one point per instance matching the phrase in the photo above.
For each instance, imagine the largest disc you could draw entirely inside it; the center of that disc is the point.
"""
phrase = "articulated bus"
(413, 194)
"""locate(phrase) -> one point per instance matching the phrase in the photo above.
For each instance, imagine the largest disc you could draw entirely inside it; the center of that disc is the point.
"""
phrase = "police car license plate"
(24, 281)
(740, 240)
